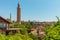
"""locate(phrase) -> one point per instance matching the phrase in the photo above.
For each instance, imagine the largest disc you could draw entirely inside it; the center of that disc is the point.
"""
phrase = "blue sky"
(39, 10)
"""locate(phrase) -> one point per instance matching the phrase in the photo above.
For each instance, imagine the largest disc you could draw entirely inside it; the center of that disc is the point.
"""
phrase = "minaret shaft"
(10, 17)
(18, 14)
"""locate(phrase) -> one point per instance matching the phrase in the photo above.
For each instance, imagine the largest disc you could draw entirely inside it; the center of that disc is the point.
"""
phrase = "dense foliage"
(33, 37)
(18, 36)
(21, 35)
(53, 32)
(27, 24)
(15, 37)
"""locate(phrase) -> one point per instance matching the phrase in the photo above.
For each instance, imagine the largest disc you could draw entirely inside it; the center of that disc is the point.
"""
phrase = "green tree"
(53, 32)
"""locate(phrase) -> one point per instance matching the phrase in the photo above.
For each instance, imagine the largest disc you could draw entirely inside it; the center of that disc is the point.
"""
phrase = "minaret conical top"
(18, 5)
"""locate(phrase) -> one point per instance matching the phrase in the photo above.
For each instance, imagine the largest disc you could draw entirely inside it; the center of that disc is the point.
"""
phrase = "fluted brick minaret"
(18, 14)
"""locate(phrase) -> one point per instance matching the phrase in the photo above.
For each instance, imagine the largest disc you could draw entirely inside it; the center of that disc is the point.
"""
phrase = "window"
(5, 25)
(1, 24)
